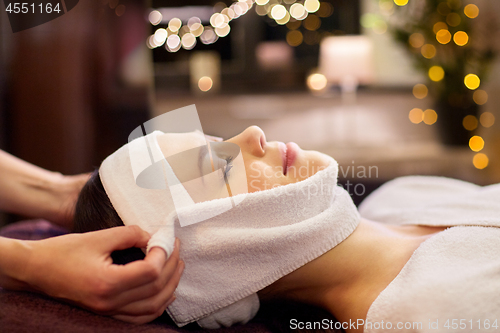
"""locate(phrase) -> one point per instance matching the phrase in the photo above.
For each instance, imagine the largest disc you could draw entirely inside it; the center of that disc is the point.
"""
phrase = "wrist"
(15, 264)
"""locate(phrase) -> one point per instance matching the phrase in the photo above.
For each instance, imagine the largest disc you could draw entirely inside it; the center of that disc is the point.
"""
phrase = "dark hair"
(94, 212)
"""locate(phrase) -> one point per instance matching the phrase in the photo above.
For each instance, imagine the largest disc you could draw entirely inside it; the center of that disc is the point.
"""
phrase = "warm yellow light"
(480, 97)
(472, 81)
(205, 83)
(487, 119)
(428, 51)
(284, 20)
(326, 9)
(278, 12)
(188, 41)
(416, 115)
(476, 143)
(174, 24)
(439, 26)
(471, 11)
(461, 38)
(420, 91)
(294, 38)
(316, 82)
(443, 36)
(436, 73)
(261, 2)
(401, 2)
(417, 40)
(311, 5)
(223, 32)
(312, 22)
(453, 19)
(470, 122)
(430, 116)
(480, 161)
(443, 8)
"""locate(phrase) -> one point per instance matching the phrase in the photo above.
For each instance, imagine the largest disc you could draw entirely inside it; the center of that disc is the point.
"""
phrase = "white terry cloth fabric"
(231, 256)
(453, 278)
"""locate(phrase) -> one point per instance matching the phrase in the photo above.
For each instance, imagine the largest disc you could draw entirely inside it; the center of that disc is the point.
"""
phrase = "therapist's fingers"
(144, 318)
(120, 238)
(162, 287)
(151, 305)
(150, 269)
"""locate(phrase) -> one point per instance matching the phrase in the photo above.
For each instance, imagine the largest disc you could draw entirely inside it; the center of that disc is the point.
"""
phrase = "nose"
(251, 140)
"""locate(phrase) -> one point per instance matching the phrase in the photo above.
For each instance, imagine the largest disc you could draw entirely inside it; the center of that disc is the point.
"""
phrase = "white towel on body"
(452, 281)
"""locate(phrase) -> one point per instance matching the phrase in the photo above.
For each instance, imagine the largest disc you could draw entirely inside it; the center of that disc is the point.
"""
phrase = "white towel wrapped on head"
(231, 256)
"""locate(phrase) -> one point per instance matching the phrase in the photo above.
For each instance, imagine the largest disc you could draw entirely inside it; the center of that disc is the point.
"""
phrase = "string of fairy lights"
(292, 13)
(443, 34)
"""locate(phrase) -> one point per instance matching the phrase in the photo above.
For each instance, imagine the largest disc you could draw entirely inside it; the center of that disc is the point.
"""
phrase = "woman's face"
(273, 163)
(267, 164)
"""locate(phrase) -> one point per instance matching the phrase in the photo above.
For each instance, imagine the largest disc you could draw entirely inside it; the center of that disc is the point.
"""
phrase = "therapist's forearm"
(32, 191)
(14, 256)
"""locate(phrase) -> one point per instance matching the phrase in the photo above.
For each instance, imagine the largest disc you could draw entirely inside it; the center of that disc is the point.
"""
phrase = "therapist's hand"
(78, 268)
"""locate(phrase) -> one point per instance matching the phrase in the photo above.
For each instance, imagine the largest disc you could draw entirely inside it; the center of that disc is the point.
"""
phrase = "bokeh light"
(160, 36)
(174, 24)
(443, 8)
(278, 12)
(480, 97)
(453, 19)
(401, 2)
(428, 51)
(316, 82)
(480, 161)
(439, 26)
(470, 122)
(430, 116)
(311, 5)
(420, 91)
(487, 119)
(443, 36)
(173, 43)
(155, 17)
(416, 115)
(297, 11)
(294, 38)
(325, 9)
(205, 83)
(312, 22)
(417, 40)
(223, 32)
(471, 11)
(436, 73)
(208, 36)
(261, 2)
(476, 143)
(461, 38)
(188, 41)
(284, 20)
(472, 81)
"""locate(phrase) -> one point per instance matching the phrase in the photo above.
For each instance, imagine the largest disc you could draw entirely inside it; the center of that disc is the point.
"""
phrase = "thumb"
(120, 238)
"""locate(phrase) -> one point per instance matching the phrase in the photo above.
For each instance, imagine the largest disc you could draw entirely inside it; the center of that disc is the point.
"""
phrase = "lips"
(288, 155)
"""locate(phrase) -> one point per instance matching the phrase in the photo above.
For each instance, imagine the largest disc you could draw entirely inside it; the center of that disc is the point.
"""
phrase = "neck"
(347, 279)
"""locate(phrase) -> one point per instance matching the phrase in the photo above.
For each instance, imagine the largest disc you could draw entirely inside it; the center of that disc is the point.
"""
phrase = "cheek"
(261, 176)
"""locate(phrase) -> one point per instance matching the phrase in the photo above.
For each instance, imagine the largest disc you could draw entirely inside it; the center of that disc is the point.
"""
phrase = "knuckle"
(153, 272)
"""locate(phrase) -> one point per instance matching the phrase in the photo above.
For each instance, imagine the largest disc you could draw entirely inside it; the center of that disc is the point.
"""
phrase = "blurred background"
(387, 87)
